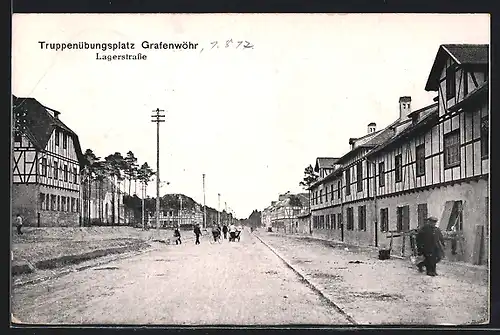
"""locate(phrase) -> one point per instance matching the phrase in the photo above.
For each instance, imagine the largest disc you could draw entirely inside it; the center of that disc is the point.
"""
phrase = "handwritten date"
(230, 43)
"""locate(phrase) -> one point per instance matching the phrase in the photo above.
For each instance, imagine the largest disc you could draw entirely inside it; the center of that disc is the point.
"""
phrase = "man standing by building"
(430, 244)
(197, 232)
(19, 224)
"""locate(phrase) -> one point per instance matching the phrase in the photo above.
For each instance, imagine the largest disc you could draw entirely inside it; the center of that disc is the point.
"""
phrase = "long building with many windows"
(429, 162)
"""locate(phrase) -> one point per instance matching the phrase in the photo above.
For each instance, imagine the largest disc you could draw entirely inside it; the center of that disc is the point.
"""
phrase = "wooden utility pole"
(204, 205)
(180, 211)
(157, 118)
(218, 210)
(143, 195)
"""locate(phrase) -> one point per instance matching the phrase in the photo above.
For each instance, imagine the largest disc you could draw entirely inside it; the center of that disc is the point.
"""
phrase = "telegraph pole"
(218, 210)
(143, 195)
(204, 205)
(180, 211)
(157, 118)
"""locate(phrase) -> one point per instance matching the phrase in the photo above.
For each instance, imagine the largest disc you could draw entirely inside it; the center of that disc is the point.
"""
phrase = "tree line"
(119, 170)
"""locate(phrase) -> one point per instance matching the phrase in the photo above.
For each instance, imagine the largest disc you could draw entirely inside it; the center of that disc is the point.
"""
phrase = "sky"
(250, 119)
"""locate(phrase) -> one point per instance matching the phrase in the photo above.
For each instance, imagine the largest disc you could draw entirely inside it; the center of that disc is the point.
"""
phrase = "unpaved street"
(240, 283)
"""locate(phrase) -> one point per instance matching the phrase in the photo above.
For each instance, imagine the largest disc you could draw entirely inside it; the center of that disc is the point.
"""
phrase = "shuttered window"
(452, 149)
(384, 219)
(398, 162)
(381, 174)
(348, 181)
(403, 218)
(362, 218)
(421, 214)
(350, 218)
(420, 154)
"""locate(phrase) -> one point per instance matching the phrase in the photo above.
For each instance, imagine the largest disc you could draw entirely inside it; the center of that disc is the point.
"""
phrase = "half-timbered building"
(46, 166)
(431, 161)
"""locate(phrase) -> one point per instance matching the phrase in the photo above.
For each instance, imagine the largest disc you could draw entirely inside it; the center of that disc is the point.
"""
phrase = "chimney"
(372, 127)
(404, 107)
(352, 142)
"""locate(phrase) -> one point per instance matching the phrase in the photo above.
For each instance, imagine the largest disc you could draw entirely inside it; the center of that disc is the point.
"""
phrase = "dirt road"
(238, 283)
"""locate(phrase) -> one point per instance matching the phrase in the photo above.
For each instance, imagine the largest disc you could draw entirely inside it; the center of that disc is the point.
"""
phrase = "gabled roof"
(462, 54)
(325, 162)
(40, 123)
(428, 118)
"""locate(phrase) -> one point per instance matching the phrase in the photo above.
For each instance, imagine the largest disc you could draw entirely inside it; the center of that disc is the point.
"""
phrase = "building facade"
(185, 218)
(46, 160)
(432, 161)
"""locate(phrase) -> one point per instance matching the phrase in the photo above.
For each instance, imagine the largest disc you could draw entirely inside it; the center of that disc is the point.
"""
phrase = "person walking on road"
(430, 244)
(19, 224)
(177, 235)
(197, 232)
(224, 231)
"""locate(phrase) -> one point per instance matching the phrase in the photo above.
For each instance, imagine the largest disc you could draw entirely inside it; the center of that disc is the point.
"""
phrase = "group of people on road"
(218, 232)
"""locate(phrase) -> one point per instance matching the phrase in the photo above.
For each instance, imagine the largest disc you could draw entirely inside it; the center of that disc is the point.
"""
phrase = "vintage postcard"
(250, 169)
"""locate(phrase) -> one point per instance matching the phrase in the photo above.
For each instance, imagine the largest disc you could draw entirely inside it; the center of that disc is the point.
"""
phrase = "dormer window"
(450, 83)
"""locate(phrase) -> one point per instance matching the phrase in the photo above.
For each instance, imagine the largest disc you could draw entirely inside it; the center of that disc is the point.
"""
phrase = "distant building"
(46, 164)
(283, 214)
(170, 218)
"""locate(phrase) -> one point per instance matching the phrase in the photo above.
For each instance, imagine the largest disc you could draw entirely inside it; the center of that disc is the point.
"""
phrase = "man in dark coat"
(224, 231)
(430, 244)
(197, 232)
(177, 235)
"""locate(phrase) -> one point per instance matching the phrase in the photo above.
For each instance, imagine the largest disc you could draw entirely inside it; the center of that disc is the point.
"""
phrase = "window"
(65, 141)
(403, 218)
(331, 193)
(334, 221)
(421, 214)
(350, 219)
(450, 82)
(56, 136)
(43, 170)
(420, 154)
(65, 172)
(359, 176)
(348, 181)
(328, 222)
(381, 174)
(75, 176)
(484, 137)
(339, 189)
(63, 204)
(58, 202)
(339, 220)
(47, 202)
(53, 203)
(42, 201)
(452, 149)
(362, 218)
(320, 196)
(398, 160)
(384, 219)
(72, 204)
(315, 222)
(326, 193)
(56, 172)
